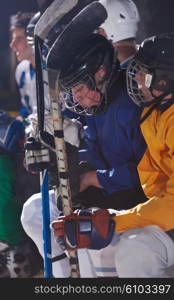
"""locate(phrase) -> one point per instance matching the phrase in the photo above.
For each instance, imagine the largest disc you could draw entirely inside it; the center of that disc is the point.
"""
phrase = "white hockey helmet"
(122, 20)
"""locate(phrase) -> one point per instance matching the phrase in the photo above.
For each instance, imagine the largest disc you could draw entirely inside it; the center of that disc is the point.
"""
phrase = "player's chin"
(95, 102)
(88, 102)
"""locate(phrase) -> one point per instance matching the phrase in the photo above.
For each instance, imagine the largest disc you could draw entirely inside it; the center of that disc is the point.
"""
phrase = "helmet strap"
(155, 104)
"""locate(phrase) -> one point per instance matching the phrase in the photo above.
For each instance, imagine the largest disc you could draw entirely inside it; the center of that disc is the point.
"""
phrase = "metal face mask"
(139, 82)
(86, 95)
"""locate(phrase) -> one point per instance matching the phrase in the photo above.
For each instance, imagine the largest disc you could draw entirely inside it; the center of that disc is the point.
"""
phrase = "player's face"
(19, 44)
(142, 81)
(86, 96)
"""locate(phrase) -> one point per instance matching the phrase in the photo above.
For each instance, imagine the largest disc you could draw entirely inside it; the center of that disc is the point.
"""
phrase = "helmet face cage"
(67, 98)
(142, 92)
(141, 98)
(156, 62)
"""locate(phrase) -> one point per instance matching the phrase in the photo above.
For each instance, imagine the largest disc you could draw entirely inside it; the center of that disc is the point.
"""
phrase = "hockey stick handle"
(60, 148)
(39, 84)
(43, 177)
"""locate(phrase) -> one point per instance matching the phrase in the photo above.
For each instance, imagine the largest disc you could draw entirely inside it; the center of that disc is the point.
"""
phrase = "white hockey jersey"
(26, 81)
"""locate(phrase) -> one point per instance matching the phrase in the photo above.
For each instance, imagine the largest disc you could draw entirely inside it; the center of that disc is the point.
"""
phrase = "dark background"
(156, 17)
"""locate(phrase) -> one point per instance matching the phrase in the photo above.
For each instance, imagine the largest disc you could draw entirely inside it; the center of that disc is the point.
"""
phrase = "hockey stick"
(43, 4)
(62, 165)
(73, 35)
(45, 23)
(43, 175)
(52, 15)
(70, 40)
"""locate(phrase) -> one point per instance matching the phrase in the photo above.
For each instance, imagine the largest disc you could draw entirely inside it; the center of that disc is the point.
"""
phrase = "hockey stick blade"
(68, 42)
(43, 4)
(64, 21)
(52, 15)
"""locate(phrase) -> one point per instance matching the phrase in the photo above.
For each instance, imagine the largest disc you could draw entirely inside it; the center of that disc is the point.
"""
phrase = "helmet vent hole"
(122, 16)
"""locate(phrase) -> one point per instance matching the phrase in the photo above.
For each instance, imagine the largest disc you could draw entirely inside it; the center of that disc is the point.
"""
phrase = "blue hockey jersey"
(114, 143)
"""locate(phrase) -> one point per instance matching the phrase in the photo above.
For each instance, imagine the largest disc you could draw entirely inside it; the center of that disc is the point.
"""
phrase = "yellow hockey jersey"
(156, 171)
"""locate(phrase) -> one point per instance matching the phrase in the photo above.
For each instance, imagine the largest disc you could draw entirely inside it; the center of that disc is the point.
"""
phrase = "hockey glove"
(91, 229)
(37, 156)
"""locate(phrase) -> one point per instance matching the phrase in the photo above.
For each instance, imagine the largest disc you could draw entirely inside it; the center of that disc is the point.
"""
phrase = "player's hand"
(89, 179)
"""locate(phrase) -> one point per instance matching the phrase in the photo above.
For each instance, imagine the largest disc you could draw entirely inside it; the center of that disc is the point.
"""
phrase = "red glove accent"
(80, 229)
(101, 219)
(82, 240)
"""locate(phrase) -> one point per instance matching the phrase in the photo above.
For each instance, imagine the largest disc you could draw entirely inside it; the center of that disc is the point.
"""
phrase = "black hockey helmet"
(155, 59)
(95, 52)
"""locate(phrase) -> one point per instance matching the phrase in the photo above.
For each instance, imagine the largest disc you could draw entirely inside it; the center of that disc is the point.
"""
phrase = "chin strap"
(155, 104)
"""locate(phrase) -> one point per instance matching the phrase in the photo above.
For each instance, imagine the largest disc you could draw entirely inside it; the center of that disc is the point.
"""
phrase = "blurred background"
(156, 17)
(9, 96)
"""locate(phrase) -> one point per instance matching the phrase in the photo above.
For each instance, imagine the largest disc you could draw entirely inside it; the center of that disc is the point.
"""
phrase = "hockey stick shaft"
(44, 176)
(61, 158)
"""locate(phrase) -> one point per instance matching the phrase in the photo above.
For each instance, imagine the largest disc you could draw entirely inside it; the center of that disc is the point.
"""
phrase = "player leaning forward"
(143, 236)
